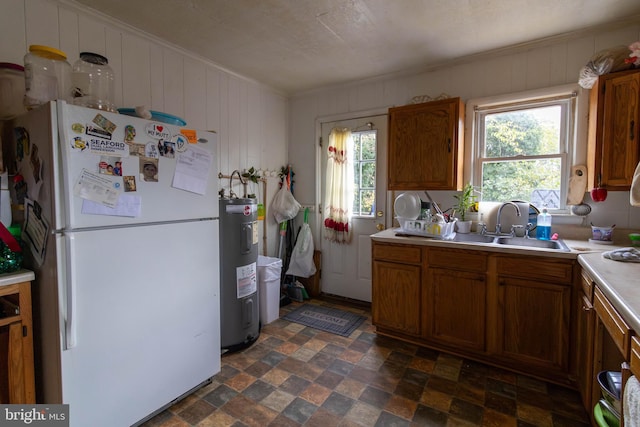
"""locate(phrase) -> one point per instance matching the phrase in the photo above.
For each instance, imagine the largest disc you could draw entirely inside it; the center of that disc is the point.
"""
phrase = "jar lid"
(47, 52)
(11, 66)
(93, 58)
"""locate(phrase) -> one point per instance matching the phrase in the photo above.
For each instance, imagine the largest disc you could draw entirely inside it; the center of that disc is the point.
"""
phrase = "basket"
(418, 227)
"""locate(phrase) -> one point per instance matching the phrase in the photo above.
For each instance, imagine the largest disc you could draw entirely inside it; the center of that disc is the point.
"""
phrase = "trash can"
(269, 271)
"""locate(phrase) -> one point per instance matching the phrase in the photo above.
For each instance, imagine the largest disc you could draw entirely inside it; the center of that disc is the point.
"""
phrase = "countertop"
(619, 281)
(578, 246)
(16, 277)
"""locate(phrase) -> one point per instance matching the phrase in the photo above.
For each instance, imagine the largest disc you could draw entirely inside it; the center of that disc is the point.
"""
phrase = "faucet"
(498, 225)
(233, 195)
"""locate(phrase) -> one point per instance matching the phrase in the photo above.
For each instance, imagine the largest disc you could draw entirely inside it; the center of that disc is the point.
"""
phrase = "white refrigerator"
(121, 228)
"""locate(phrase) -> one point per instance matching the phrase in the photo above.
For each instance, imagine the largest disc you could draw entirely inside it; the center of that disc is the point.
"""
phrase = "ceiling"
(298, 45)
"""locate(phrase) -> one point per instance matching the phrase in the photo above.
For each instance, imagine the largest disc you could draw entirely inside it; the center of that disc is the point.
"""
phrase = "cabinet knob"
(586, 309)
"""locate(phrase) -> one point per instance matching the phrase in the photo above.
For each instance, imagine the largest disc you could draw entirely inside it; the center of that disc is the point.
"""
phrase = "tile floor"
(295, 375)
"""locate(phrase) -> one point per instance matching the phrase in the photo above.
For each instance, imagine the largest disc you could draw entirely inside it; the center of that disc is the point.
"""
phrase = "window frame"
(568, 96)
(358, 163)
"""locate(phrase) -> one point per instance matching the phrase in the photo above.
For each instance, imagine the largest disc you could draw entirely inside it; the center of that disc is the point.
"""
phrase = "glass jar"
(93, 82)
(11, 90)
(47, 76)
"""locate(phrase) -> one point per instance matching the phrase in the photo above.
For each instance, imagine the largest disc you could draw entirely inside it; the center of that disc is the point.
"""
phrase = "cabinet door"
(455, 307)
(533, 323)
(425, 146)
(614, 116)
(620, 131)
(585, 329)
(396, 296)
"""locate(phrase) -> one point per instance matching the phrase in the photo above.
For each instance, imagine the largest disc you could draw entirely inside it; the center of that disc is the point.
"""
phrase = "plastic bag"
(603, 62)
(301, 263)
(284, 205)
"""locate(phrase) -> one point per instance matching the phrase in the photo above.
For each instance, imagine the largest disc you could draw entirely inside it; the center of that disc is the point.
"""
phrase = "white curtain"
(339, 187)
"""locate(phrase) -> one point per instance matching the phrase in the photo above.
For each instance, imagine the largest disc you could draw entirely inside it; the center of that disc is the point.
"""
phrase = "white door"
(346, 268)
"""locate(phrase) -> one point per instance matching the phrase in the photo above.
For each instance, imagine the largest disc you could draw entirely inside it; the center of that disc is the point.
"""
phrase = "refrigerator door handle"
(71, 322)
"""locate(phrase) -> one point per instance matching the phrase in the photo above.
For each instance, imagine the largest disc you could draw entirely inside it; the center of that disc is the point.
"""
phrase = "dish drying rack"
(418, 227)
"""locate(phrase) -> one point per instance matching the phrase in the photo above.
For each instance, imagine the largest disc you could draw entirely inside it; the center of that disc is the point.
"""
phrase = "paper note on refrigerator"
(129, 206)
(97, 188)
(192, 170)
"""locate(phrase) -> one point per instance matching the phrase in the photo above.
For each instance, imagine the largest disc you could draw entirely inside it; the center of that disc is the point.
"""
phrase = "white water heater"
(239, 308)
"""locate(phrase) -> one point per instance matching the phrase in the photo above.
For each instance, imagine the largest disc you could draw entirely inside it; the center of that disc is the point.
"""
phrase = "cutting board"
(577, 185)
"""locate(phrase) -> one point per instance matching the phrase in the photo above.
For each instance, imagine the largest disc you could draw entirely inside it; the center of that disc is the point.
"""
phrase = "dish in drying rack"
(407, 205)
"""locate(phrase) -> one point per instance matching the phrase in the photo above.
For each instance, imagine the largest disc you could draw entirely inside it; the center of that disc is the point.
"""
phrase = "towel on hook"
(631, 402)
(634, 192)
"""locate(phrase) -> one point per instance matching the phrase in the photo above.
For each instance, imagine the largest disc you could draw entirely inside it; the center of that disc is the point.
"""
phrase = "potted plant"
(466, 199)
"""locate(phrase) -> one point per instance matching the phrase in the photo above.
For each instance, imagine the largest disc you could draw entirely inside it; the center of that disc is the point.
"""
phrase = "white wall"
(250, 118)
(536, 66)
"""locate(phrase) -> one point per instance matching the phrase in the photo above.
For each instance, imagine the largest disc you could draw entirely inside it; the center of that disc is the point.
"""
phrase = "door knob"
(380, 227)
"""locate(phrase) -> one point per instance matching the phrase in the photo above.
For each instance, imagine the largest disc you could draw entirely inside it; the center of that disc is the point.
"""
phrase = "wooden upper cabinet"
(426, 146)
(614, 119)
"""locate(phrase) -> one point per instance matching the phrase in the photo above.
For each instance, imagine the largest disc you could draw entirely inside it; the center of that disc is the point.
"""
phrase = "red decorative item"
(599, 193)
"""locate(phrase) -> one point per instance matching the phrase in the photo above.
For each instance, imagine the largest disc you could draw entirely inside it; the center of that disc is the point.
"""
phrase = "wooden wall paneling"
(518, 73)
(538, 67)
(497, 75)
(113, 52)
(223, 131)
(195, 105)
(12, 23)
(70, 33)
(558, 65)
(578, 53)
(41, 17)
(257, 128)
(156, 66)
(213, 101)
(243, 125)
(173, 65)
(233, 113)
(92, 36)
(623, 36)
(135, 71)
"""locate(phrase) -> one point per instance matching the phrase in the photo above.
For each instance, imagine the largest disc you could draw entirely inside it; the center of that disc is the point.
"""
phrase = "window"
(364, 172)
(521, 150)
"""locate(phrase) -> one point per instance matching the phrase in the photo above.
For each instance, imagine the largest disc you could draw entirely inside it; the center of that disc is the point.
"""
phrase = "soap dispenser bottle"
(543, 227)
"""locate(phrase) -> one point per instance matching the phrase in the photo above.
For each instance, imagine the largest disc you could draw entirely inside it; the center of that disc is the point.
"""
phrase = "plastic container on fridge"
(93, 82)
(47, 76)
(11, 90)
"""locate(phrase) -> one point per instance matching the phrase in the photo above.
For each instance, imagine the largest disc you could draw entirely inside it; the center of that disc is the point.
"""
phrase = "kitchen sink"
(473, 238)
(533, 243)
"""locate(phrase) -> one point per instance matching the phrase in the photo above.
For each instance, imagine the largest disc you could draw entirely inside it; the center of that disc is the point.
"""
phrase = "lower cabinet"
(397, 285)
(533, 323)
(506, 310)
(455, 299)
(533, 313)
(585, 331)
